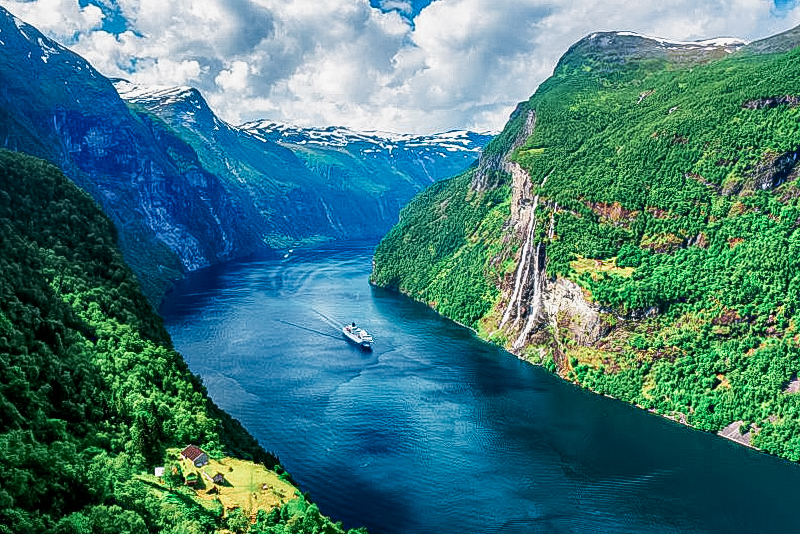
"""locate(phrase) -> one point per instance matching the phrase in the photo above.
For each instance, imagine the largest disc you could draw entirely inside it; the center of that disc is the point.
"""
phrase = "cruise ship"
(357, 335)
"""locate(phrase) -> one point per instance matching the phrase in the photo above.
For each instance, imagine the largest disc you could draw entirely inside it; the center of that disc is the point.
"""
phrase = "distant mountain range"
(310, 183)
(186, 189)
(457, 146)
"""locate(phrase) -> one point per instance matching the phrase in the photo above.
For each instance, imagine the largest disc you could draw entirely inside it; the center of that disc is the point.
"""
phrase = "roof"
(192, 452)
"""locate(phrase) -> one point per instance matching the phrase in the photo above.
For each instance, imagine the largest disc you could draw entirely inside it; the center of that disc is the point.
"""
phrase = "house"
(195, 455)
(158, 472)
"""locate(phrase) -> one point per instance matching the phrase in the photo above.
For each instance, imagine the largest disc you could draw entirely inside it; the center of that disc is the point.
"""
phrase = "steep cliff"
(277, 195)
(310, 184)
(172, 214)
(634, 229)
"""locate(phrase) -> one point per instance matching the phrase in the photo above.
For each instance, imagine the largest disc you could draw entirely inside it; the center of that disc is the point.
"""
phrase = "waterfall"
(520, 281)
(529, 243)
(516, 295)
(536, 305)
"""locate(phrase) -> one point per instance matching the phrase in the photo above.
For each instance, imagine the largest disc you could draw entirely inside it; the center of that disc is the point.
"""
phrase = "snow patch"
(376, 141)
(727, 42)
(165, 94)
(47, 50)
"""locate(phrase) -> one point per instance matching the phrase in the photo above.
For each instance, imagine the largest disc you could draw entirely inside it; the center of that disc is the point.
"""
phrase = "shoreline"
(728, 436)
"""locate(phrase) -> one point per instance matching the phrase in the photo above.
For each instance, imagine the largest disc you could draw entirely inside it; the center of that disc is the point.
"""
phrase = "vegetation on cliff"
(92, 393)
(667, 190)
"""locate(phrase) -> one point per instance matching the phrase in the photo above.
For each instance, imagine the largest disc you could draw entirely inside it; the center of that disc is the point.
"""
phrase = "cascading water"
(522, 268)
(521, 282)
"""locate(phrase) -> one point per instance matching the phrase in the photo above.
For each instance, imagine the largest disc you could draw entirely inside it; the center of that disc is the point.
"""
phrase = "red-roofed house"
(195, 455)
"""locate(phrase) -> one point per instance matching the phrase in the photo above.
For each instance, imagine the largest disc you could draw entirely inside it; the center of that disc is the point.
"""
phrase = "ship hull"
(355, 340)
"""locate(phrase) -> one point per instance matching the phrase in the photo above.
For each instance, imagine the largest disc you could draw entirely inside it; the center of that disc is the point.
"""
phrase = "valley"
(185, 189)
(552, 305)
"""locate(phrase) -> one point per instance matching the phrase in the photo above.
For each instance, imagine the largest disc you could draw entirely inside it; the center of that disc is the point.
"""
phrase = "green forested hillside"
(671, 197)
(91, 392)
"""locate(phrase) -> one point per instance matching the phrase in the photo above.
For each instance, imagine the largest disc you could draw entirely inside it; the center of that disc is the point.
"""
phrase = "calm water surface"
(437, 432)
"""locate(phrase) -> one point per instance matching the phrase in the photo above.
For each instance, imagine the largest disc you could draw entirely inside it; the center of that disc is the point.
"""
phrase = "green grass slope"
(671, 199)
(92, 393)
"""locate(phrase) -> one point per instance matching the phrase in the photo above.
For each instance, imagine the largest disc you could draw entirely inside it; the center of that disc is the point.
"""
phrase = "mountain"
(172, 214)
(92, 394)
(634, 229)
(184, 188)
(422, 159)
(271, 186)
(310, 184)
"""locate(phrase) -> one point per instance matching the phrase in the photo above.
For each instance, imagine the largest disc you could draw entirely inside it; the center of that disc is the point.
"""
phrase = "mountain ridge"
(63, 110)
(311, 184)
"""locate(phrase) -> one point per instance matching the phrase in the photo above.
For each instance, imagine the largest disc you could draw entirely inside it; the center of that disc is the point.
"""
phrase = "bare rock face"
(733, 432)
(566, 307)
(534, 300)
(520, 193)
(771, 172)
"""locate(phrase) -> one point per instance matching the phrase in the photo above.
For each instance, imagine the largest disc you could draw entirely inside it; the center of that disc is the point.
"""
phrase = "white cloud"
(397, 5)
(235, 78)
(459, 63)
(59, 17)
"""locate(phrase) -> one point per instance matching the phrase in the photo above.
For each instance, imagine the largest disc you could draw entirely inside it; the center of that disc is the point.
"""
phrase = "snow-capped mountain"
(602, 51)
(728, 44)
(420, 159)
(172, 214)
(310, 183)
(371, 142)
(187, 189)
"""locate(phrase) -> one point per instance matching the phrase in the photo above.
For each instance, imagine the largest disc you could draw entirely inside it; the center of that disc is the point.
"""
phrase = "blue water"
(435, 431)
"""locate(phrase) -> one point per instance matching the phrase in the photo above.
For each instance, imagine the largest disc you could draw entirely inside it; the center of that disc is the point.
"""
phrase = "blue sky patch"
(114, 22)
(410, 8)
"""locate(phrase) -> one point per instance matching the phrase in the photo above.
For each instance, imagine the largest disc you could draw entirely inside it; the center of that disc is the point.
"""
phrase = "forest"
(672, 200)
(92, 393)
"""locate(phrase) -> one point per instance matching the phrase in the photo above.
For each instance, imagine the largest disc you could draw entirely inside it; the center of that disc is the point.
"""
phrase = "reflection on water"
(437, 432)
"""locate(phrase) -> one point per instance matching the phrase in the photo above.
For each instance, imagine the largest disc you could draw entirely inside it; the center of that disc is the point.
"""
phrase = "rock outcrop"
(495, 165)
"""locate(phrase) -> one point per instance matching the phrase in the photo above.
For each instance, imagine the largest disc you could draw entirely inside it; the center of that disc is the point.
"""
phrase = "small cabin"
(219, 478)
(195, 455)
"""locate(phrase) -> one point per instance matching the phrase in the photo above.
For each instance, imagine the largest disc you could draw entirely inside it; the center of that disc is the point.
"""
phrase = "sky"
(406, 66)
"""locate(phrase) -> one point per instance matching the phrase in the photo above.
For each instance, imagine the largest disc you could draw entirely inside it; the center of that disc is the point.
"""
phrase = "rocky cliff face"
(496, 163)
(309, 184)
(380, 172)
(270, 186)
(534, 301)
